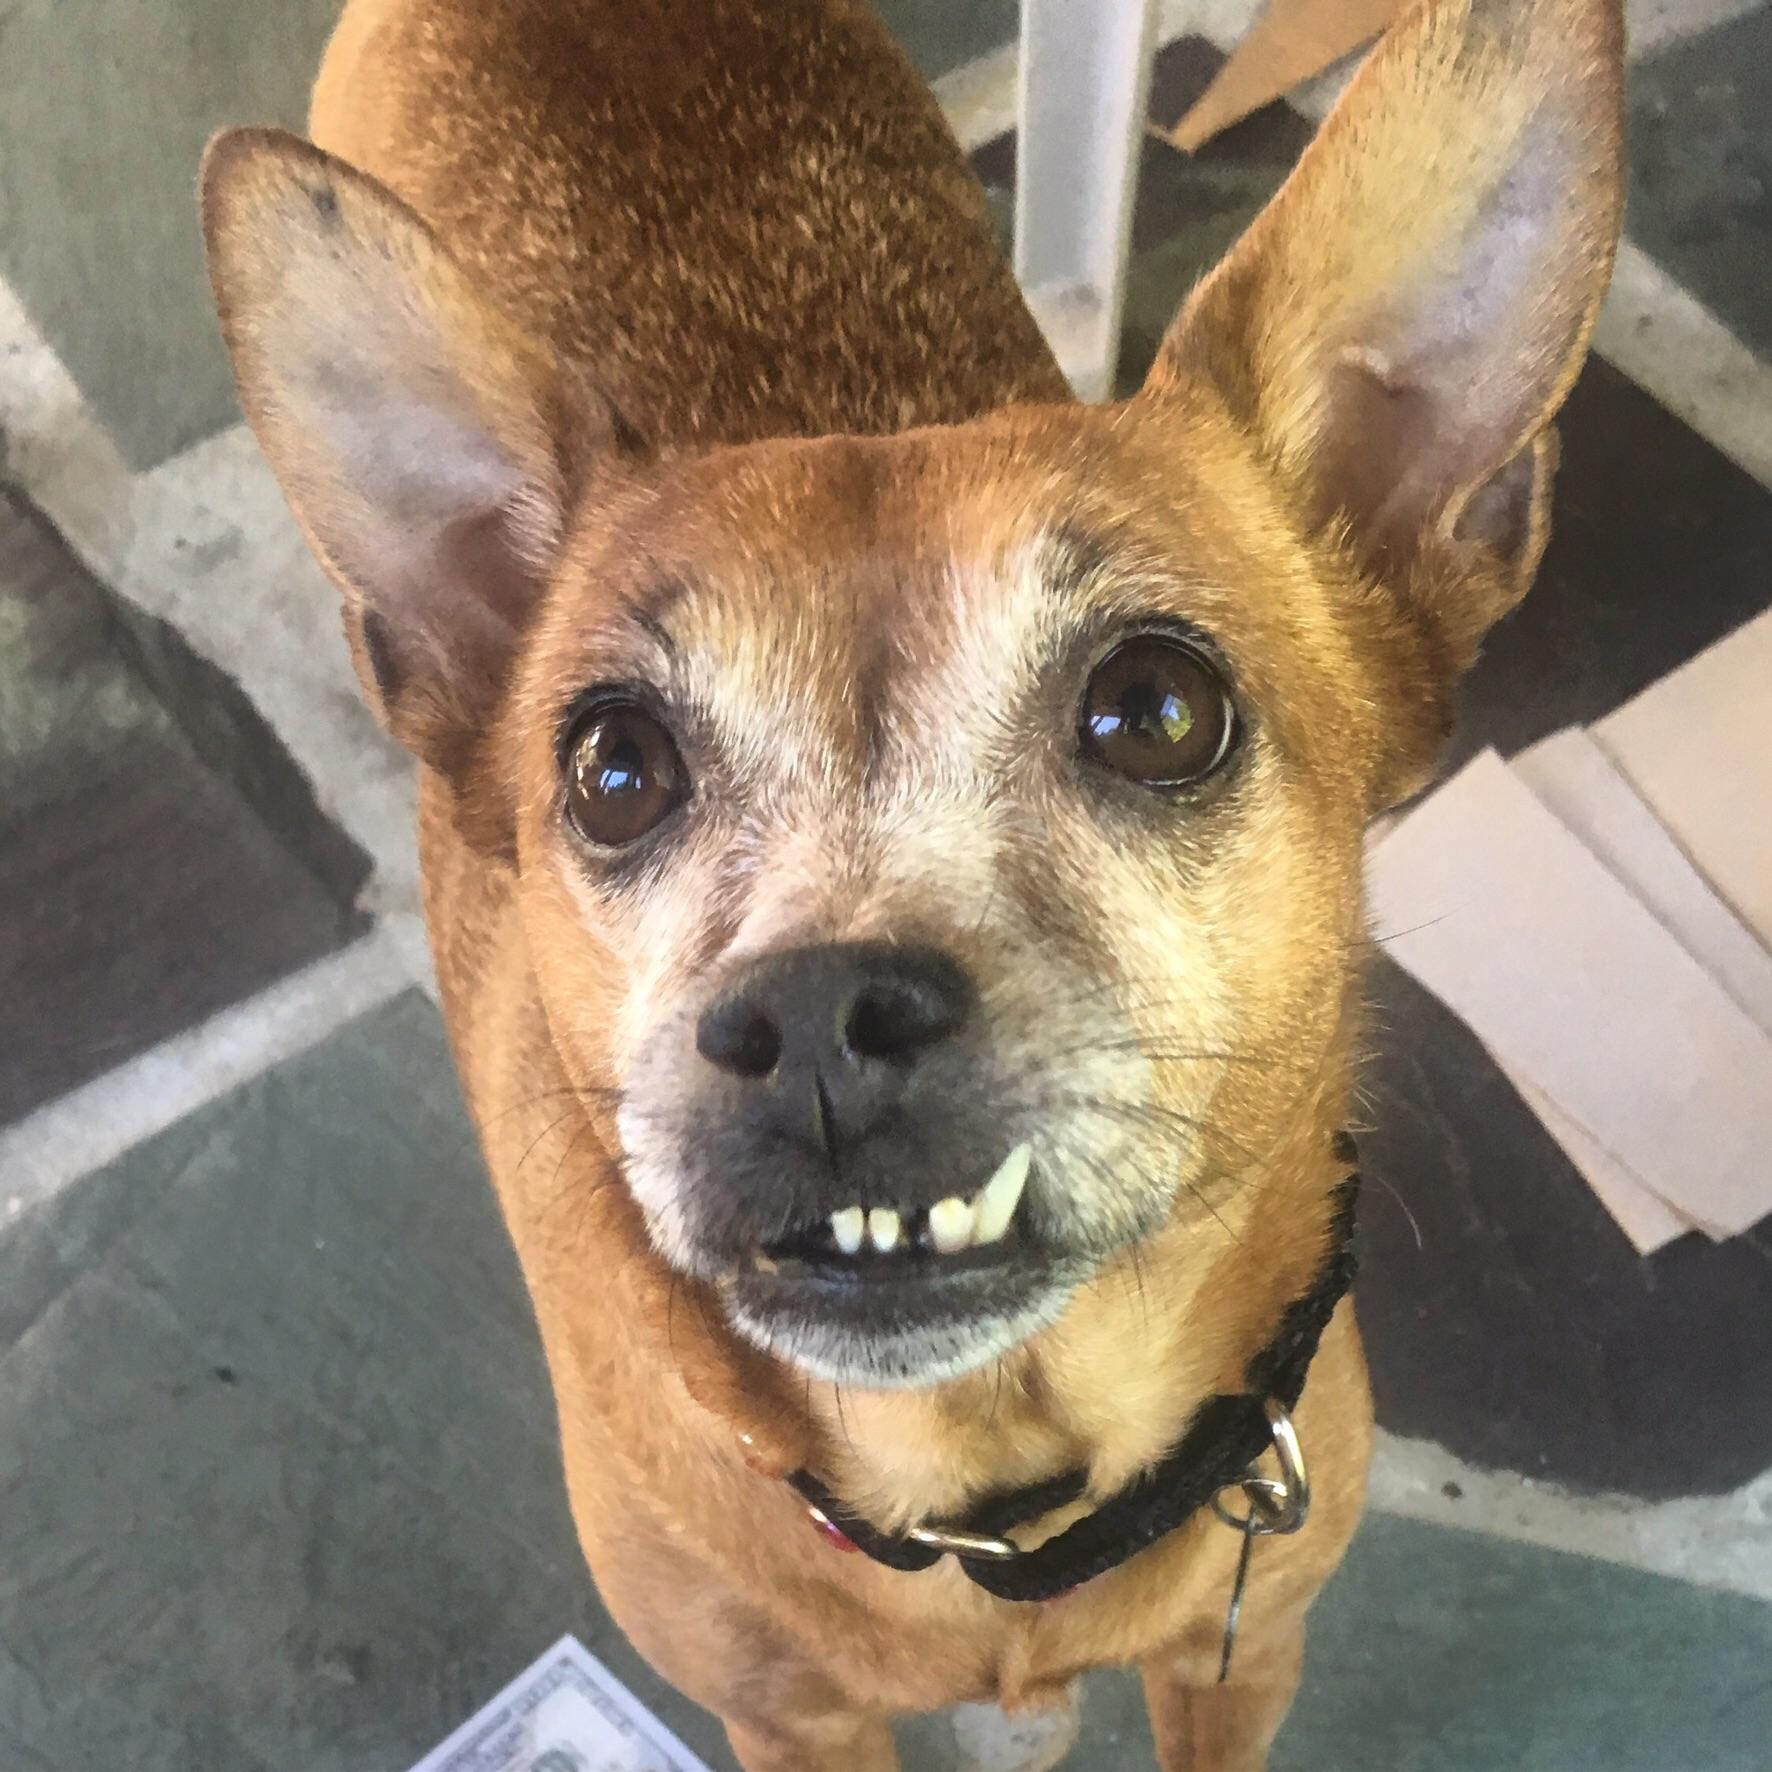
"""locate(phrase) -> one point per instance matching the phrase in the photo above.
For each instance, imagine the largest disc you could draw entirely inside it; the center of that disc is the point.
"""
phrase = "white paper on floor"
(1655, 1077)
(565, 1713)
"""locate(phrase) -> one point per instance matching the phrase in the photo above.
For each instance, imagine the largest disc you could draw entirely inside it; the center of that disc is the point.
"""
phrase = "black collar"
(1228, 1433)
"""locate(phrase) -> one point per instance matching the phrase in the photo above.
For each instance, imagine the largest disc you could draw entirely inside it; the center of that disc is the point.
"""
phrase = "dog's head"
(942, 850)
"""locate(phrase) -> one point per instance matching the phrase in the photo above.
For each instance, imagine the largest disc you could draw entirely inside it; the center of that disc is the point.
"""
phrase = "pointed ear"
(1400, 324)
(419, 436)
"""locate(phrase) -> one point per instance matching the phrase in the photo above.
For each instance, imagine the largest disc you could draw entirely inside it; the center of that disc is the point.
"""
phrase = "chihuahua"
(891, 835)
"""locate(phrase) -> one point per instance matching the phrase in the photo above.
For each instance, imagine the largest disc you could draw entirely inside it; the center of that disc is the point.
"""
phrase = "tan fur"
(868, 519)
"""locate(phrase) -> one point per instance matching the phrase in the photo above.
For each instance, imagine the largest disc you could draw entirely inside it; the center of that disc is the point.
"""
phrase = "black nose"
(821, 1025)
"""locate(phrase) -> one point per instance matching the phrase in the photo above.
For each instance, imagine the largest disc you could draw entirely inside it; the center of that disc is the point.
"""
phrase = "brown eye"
(1157, 712)
(623, 775)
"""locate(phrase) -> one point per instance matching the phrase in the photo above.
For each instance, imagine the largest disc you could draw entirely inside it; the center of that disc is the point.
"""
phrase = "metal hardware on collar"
(1234, 1614)
(1275, 1507)
(964, 1544)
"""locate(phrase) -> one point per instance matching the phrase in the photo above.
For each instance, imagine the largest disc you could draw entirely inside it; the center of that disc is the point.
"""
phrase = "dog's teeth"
(995, 1203)
(883, 1229)
(950, 1225)
(850, 1228)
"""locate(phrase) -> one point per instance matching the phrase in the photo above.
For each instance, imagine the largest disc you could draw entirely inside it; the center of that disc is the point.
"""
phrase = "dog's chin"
(900, 1336)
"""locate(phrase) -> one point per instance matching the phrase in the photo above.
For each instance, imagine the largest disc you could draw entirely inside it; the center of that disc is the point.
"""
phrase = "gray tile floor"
(1701, 165)
(104, 108)
(160, 857)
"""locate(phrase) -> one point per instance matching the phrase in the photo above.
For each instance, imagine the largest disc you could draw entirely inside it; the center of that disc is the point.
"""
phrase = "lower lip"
(905, 1267)
(929, 1322)
(919, 1290)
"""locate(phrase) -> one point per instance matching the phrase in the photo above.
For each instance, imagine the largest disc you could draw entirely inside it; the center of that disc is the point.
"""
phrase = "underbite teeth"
(850, 1228)
(950, 1225)
(993, 1207)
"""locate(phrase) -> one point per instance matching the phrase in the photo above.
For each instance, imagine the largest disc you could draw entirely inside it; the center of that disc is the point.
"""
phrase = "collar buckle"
(1277, 1506)
(964, 1544)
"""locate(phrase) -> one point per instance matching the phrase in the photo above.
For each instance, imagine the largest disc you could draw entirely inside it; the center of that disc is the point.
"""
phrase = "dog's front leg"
(833, 1742)
(1201, 1726)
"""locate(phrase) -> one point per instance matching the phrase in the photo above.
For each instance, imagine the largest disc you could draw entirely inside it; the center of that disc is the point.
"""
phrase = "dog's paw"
(987, 1739)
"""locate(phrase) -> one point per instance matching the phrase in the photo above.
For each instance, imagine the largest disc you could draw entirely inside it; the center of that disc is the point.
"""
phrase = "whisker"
(1154, 1113)
(1389, 1187)
(601, 1095)
(676, 1280)
(1372, 940)
(528, 1101)
(1144, 1304)
(553, 1126)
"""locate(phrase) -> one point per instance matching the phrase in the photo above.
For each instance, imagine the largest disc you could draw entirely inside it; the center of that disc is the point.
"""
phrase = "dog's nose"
(829, 1022)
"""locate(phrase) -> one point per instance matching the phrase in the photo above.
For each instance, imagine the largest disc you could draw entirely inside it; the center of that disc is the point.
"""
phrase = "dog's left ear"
(424, 441)
(1401, 323)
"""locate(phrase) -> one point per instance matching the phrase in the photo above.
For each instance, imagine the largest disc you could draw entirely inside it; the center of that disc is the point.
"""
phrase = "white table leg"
(1085, 80)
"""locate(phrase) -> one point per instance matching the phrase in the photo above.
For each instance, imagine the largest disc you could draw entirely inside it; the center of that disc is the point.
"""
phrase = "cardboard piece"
(1581, 993)
(1292, 41)
(1575, 778)
(1697, 746)
(1645, 1218)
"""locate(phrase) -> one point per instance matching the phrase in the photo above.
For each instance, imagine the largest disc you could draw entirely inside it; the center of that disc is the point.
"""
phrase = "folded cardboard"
(1697, 746)
(1582, 994)
(1293, 41)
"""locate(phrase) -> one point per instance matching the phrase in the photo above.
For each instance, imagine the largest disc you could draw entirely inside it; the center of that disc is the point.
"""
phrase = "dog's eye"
(624, 774)
(1157, 712)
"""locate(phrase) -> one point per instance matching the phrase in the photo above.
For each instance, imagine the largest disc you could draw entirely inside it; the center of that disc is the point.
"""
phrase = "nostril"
(739, 1037)
(897, 1018)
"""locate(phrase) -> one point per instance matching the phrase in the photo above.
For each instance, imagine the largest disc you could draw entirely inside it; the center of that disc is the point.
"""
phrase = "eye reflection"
(625, 775)
(1156, 711)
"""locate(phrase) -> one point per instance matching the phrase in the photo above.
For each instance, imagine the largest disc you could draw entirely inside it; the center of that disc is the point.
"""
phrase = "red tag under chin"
(834, 1535)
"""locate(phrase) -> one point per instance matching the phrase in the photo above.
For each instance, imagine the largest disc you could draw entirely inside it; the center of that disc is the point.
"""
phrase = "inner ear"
(422, 439)
(1509, 514)
(1377, 428)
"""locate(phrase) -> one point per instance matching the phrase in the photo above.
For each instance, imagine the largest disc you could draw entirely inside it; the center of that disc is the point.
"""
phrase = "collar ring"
(1277, 1506)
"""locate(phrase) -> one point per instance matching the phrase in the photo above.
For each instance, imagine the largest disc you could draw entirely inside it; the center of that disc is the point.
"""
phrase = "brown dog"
(892, 836)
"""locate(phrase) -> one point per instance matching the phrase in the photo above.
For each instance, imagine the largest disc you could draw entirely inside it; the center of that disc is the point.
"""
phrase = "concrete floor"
(277, 1481)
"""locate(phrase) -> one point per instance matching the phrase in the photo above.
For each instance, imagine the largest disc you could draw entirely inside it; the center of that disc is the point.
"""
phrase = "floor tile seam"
(72, 1135)
(1722, 1542)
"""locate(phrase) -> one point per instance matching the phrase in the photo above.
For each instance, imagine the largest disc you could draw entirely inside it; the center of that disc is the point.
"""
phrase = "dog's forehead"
(837, 584)
(857, 539)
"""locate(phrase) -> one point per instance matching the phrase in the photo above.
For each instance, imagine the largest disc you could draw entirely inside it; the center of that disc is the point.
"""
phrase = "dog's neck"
(1114, 1383)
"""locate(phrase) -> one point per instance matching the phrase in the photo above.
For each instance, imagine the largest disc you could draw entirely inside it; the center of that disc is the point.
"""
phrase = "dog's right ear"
(418, 435)
(1397, 329)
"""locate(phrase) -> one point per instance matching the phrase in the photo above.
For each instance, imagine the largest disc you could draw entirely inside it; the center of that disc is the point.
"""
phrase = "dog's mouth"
(910, 1295)
(887, 1244)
